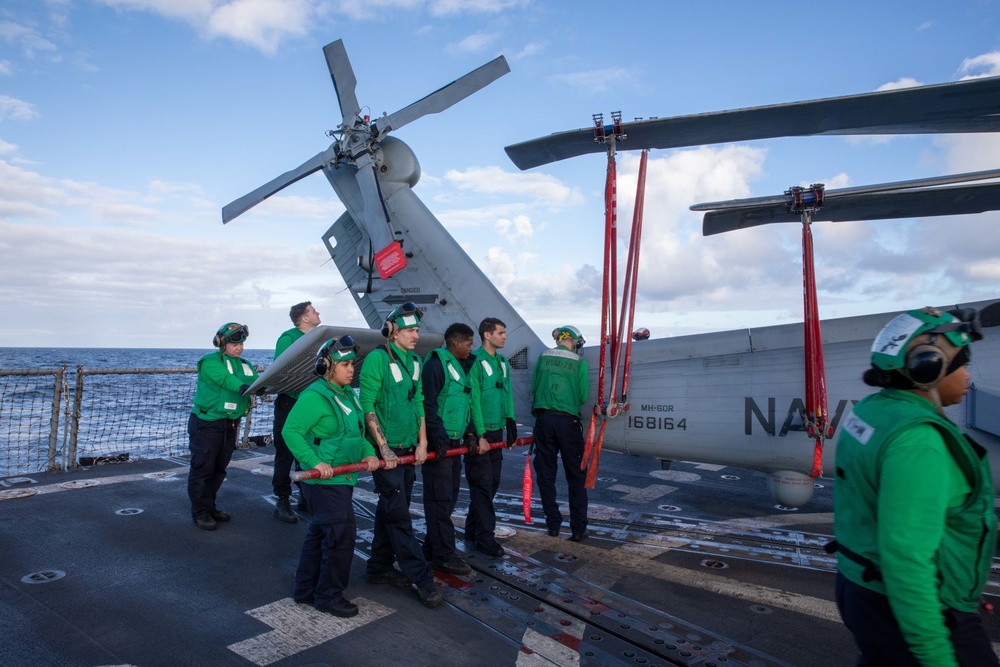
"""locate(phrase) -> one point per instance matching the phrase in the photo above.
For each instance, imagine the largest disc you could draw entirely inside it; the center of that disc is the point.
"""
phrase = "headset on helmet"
(334, 350)
(562, 333)
(230, 332)
(410, 315)
(921, 344)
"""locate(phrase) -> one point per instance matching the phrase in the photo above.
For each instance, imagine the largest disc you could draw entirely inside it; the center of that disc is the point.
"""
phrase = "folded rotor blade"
(248, 201)
(786, 199)
(919, 203)
(963, 106)
(445, 97)
(344, 81)
(376, 220)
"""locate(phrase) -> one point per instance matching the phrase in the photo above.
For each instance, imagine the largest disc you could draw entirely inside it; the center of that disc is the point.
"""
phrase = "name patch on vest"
(859, 429)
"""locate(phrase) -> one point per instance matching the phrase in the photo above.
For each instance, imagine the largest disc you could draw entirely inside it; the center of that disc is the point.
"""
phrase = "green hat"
(915, 327)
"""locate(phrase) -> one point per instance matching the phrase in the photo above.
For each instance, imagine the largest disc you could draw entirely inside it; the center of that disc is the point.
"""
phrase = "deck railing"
(64, 418)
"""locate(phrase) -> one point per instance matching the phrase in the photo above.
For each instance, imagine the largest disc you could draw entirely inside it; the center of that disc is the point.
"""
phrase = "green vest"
(454, 400)
(218, 392)
(347, 443)
(966, 550)
(494, 382)
(557, 381)
(398, 403)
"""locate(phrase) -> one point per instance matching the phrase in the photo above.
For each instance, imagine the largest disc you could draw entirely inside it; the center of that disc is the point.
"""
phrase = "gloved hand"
(441, 450)
(243, 389)
(511, 432)
(471, 442)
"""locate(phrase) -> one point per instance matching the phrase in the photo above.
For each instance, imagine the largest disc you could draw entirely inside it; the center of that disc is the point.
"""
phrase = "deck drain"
(760, 609)
(10, 494)
(731, 478)
(606, 479)
(128, 511)
(714, 564)
(504, 531)
(163, 474)
(43, 576)
(786, 509)
(79, 484)
(669, 508)
(566, 558)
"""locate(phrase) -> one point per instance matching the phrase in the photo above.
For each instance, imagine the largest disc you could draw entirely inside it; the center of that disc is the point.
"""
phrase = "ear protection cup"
(218, 341)
(925, 364)
(323, 364)
(388, 328)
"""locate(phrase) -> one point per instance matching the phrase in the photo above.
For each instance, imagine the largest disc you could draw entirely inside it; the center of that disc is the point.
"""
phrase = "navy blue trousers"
(393, 538)
(482, 471)
(442, 480)
(869, 617)
(561, 435)
(328, 550)
(212, 444)
(281, 480)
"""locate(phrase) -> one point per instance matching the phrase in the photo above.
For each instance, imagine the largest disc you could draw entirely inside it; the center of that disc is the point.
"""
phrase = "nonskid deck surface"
(687, 566)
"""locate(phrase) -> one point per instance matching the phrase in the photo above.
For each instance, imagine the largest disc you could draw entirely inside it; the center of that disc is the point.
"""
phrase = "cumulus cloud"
(26, 39)
(515, 230)
(987, 64)
(263, 24)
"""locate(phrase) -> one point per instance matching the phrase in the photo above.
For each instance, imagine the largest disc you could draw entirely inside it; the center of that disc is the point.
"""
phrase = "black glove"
(471, 443)
(441, 450)
(244, 389)
(511, 432)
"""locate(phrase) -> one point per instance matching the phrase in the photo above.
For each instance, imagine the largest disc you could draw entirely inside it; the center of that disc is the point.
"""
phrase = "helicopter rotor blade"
(888, 205)
(248, 201)
(962, 106)
(344, 81)
(446, 96)
(376, 220)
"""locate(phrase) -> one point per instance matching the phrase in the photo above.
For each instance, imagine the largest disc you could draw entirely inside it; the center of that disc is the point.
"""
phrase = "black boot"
(283, 510)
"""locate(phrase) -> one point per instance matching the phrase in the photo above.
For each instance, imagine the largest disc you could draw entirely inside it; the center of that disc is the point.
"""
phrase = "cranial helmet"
(230, 332)
(562, 333)
(337, 349)
(923, 344)
(406, 316)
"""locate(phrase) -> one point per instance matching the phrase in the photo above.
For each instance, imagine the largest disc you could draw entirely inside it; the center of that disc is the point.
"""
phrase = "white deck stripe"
(298, 627)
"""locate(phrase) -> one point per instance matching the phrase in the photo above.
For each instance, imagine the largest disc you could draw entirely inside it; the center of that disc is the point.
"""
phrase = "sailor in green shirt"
(393, 402)
(560, 386)
(305, 318)
(913, 507)
(214, 424)
(324, 429)
(492, 410)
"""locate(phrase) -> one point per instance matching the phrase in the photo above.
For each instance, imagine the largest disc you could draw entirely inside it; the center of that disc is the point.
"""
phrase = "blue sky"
(125, 126)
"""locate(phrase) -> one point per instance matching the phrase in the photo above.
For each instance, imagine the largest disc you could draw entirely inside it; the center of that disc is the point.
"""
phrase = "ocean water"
(113, 357)
(103, 414)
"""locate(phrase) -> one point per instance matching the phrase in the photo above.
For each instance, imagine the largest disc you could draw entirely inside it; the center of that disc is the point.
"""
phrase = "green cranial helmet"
(562, 333)
(928, 326)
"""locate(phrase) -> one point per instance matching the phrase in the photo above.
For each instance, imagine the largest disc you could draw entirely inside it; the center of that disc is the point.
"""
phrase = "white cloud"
(12, 108)
(598, 80)
(516, 229)
(903, 82)
(987, 64)
(26, 38)
(5, 67)
(493, 180)
(476, 43)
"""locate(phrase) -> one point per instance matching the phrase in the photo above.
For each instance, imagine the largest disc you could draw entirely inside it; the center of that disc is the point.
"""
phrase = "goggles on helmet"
(959, 327)
(340, 349)
(234, 333)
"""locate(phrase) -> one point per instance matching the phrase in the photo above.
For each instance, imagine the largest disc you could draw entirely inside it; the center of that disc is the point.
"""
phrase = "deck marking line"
(557, 650)
(298, 627)
(634, 494)
(640, 558)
